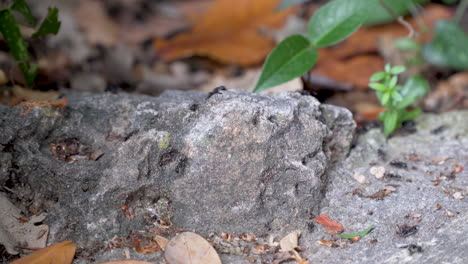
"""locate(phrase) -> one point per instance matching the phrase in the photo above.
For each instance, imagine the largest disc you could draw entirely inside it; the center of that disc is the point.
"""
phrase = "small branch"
(399, 19)
(460, 11)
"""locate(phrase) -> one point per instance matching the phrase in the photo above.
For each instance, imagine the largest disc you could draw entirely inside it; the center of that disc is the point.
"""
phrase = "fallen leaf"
(331, 226)
(162, 241)
(327, 243)
(298, 258)
(145, 248)
(360, 234)
(249, 238)
(381, 193)
(290, 241)
(190, 248)
(60, 253)
(98, 26)
(229, 32)
(449, 95)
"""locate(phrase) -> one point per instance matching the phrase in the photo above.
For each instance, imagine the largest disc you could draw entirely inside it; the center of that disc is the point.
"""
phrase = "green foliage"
(11, 34)
(449, 48)
(297, 54)
(291, 58)
(397, 98)
(335, 21)
(359, 234)
(379, 14)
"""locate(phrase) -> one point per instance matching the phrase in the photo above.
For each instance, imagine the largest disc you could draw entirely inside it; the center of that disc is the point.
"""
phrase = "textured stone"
(231, 161)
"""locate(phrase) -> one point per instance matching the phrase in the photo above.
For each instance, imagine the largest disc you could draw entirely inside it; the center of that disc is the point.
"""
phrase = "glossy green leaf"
(390, 122)
(416, 86)
(393, 82)
(12, 36)
(385, 98)
(449, 46)
(378, 87)
(396, 96)
(397, 69)
(380, 15)
(50, 25)
(288, 3)
(335, 21)
(378, 76)
(410, 115)
(293, 57)
(360, 234)
(22, 7)
(407, 44)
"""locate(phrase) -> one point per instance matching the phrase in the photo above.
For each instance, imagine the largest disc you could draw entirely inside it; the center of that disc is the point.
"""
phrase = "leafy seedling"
(9, 28)
(360, 234)
(397, 98)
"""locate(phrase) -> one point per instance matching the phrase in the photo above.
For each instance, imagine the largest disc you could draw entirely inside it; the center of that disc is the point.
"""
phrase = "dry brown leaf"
(290, 241)
(98, 26)
(449, 95)
(162, 241)
(190, 248)
(331, 226)
(229, 32)
(341, 61)
(60, 253)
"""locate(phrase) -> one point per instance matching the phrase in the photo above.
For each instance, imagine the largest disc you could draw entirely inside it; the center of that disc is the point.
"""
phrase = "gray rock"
(235, 162)
(431, 155)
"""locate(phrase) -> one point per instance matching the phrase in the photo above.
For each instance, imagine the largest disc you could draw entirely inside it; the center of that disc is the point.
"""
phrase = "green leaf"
(410, 115)
(416, 86)
(379, 15)
(385, 98)
(393, 82)
(396, 96)
(382, 115)
(390, 122)
(388, 67)
(22, 7)
(397, 69)
(449, 47)
(288, 3)
(360, 234)
(378, 87)
(407, 44)
(378, 76)
(335, 21)
(293, 57)
(12, 36)
(50, 25)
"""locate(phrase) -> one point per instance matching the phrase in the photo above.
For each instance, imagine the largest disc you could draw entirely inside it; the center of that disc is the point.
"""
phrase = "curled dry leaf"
(331, 226)
(62, 253)
(190, 248)
(290, 241)
(249, 238)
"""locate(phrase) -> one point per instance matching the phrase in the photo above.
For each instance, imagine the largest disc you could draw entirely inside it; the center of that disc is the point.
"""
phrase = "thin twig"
(460, 11)
(399, 19)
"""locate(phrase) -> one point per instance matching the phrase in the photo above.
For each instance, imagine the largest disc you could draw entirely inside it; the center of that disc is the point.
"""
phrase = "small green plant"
(9, 28)
(397, 98)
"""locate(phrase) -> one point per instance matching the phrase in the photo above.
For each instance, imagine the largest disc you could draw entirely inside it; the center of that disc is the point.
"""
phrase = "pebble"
(378, 172)
(458, 195)
(360, 178)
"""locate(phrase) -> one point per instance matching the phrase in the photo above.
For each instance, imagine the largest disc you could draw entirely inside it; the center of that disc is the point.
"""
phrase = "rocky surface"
(228, 161)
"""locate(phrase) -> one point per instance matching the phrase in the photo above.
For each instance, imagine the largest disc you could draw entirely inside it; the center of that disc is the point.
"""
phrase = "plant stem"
(400, 19)
(460, 11)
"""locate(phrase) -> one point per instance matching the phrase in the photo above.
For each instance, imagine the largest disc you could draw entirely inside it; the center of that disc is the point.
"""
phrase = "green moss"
(164, 142)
